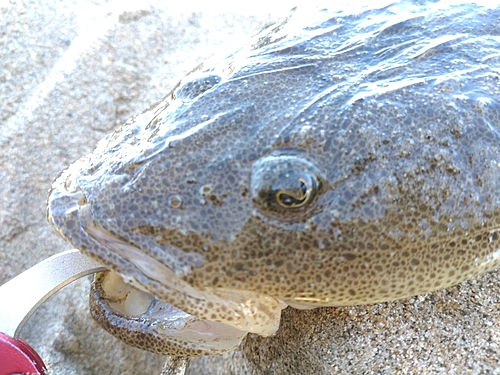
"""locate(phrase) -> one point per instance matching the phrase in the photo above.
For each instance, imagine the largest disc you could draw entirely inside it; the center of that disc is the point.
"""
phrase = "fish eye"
(285, 186)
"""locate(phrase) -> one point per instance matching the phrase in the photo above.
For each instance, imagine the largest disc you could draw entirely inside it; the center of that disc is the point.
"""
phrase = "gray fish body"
(346, 157)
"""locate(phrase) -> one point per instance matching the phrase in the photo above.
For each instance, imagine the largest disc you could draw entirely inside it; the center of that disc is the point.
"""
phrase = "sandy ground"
(73, 70)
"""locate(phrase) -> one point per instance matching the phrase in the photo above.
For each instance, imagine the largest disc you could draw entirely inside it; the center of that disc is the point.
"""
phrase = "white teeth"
(125, 298)
(137, 302)
(114, 286)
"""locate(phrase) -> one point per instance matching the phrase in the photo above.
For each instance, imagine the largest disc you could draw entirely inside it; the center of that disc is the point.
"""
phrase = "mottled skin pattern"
(394, 111)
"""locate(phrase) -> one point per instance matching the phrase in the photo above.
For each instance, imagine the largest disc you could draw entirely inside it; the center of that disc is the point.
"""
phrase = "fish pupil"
(290, 200)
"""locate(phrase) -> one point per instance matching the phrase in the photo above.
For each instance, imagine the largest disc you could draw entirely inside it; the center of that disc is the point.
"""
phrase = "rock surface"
(71, 72)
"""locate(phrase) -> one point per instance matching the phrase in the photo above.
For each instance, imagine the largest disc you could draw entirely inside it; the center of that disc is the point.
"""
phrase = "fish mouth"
(144, 321)
(143, 301)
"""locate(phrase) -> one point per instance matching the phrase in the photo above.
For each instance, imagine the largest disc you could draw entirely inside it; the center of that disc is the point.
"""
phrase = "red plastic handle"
(17, 357)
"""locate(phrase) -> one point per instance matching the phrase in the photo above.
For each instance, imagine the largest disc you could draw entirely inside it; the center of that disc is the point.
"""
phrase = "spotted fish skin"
(386, 119)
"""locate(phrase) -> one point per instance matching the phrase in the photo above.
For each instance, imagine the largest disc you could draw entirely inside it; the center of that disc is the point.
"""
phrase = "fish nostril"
(82, 200)
(206, 189)
(175, 201)
(196, 86)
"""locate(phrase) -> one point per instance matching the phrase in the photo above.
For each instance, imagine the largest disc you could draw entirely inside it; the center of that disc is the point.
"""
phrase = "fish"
(347, 155)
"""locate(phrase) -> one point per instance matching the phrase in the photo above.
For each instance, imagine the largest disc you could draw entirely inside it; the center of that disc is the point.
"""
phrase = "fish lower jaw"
(142, 320)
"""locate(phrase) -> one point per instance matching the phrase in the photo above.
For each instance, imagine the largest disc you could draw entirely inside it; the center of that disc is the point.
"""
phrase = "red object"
(17, 357)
